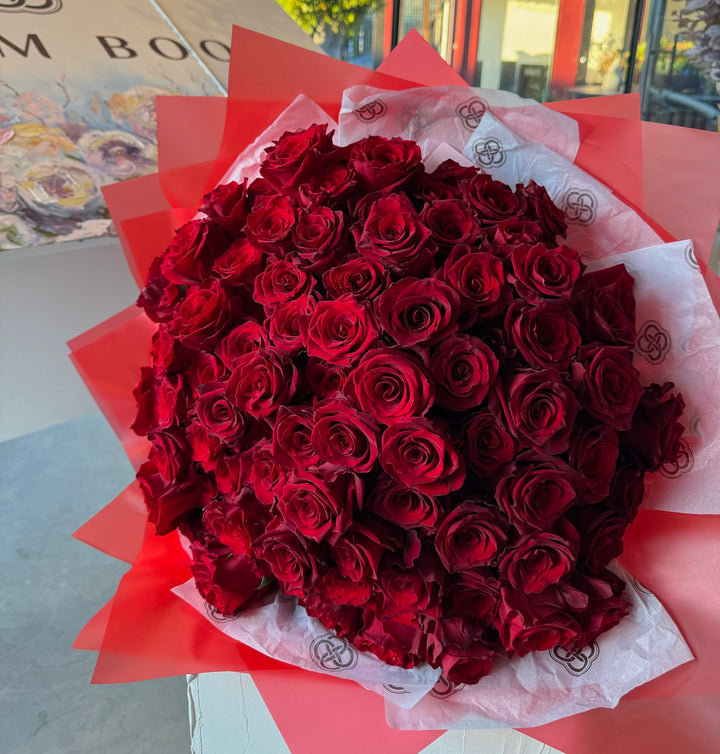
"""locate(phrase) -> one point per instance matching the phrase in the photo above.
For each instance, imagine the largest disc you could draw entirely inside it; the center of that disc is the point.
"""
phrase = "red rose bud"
(291, 444)
(381, 163)
(464, 370)
(280, 282)
(248, 336)
(340, 331)
(262, 381)
(420, 455)
(450, 223)
(240, 263)
(361, 277)
(402, 506)
(541, 272)
(319, 238)
(270, 224)
(217, 414)
(229, 205)
(471, 535)
(479, 279)
(390, 385)
(266, 475)
(542, 210)
(192, 251)
(203, 317)
(606, 306)
(493, 201)
(487, 444)
(287, 324)
(418, 312)
(291, 558)
(295, 156)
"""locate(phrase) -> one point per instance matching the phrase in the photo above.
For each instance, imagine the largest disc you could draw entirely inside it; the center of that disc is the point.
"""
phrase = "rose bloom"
(361, 277)
(403, 506)
(487, 444)
(542, 272)
(464, 370)
(381, 163)
(192, 251)
(229, 205)
(479, 279)
(280, 282)
(295, 156)
(203, 317)
(450, 223)
(493, 201)
(262, 381)
(471, 535)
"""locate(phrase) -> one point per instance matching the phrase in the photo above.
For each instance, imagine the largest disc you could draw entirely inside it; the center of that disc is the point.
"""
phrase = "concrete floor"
(51, 482)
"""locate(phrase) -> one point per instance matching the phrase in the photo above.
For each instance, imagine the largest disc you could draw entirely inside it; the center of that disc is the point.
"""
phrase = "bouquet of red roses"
(388, 402)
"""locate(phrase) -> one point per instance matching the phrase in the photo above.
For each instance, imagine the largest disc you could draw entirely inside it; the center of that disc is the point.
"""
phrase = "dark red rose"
(471, 535)
(528, 625)
(475, 594)
(340, 331)
(391, 385)
(541, 272)
(345, 437)
(342, 591)
(403, 592)
(479, 279)
(229, 205)
(594, 453)
(419, 454)
(487, 444)
(393, 235)
(608, 384)
(450, 223)
(319, 238)
(602, 537)
(542, 210)
(546, 335)
(538, 560)
(381, 163)
(395, 642)
(324, 379)
(205, 447)
(606, 306)
(626, 491)
(364, 278)
(492, 201)
(265, 474)
(606, 605)
(159, 296)
(445, 182)
(402, 506)
(230, 472)
(295, 156)
(287, 324)
(537, 493)
(205, 369)
(248, 336)
(270, 224)
(237, 521)
(359, 551)
(217, 414)
(418, 312)
(319, 508)
(654, 434)
(344, 620)
(513, 232)
(464, 370)
(170, 453)
(292, 432)
(261, 381)
(459, 648)
(144, 394)
(169, 355)
(539, 409)
(203, 317)
(332, 182)
(192, 251)
(280, 282)
(240, 263)
(289, 557)
(227, 581)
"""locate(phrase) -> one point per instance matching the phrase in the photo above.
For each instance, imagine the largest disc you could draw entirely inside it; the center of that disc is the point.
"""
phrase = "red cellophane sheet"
(668, 174)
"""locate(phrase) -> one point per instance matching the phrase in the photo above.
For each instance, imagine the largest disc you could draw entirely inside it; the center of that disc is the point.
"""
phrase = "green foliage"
(341, 17)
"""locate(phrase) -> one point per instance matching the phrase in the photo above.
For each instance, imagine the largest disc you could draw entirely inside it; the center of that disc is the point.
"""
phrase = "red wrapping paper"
(145, 631)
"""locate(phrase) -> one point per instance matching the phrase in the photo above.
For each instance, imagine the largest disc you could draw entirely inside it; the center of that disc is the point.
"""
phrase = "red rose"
(606, 306)
(342, 591)
(229, 205)
(487, 444)
(265, 474)
(403, 592)
(608, 384)
(319, 238)
(420, 455)
(205, 447)
(513, 232)
(539, 409)
(450, 223)
(471, 535)
(292, 432)
(542, 210)
(458, 647)
(319, 508)
(159, 296)
(390, 385)
(359, 551)
(536, 493)
(445, 182)
(492, 200)
(395, 642)
(464, 370)
(192, 251)
(261, 381)
(240, 263)
(340, 331)
(280, 282)
(295, 156)
(479, 279)
(170, 453)
(539, 560)
(402, 506)
(393, 235)
(290, 557)
(248, 336)
(546, 335)
(606, 605)
(287, 324)
(594, 453)
(475, 594)
(331, 182)
(324, 379)
(418, 312)
(270, 224)
(364, 278)
(343, 436)
(203, 317)
(162, 402)
(381, 163)
(237, 521)
(541, 272)
(205, 369)
(217, 414)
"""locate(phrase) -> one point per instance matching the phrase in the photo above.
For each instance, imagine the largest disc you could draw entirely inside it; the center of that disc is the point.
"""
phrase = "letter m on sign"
(30, 40)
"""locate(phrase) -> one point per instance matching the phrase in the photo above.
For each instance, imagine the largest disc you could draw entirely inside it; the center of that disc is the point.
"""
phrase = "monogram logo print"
(639, 587)
(690, 257)
(682, 464)
(444, 688)
(653, 343)
(414, 119)
(576, 663)
(30, 6)
(395, 689)
(329, 652)
(489, 152)
(215, 614)
(580, 207)
(471, 112)
(371, 111)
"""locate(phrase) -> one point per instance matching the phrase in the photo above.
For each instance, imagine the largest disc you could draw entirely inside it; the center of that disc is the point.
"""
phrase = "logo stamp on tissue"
(489, 152)
(653, 342)
(395, 689)
(580, 206)
(576, 663)
(414, 119)
(444, 688)
(471, 112)
(690, 257)
(371, 111)
(30, 6)
(639, 588)
(329, 652)
(215, 615)
(682, 464)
